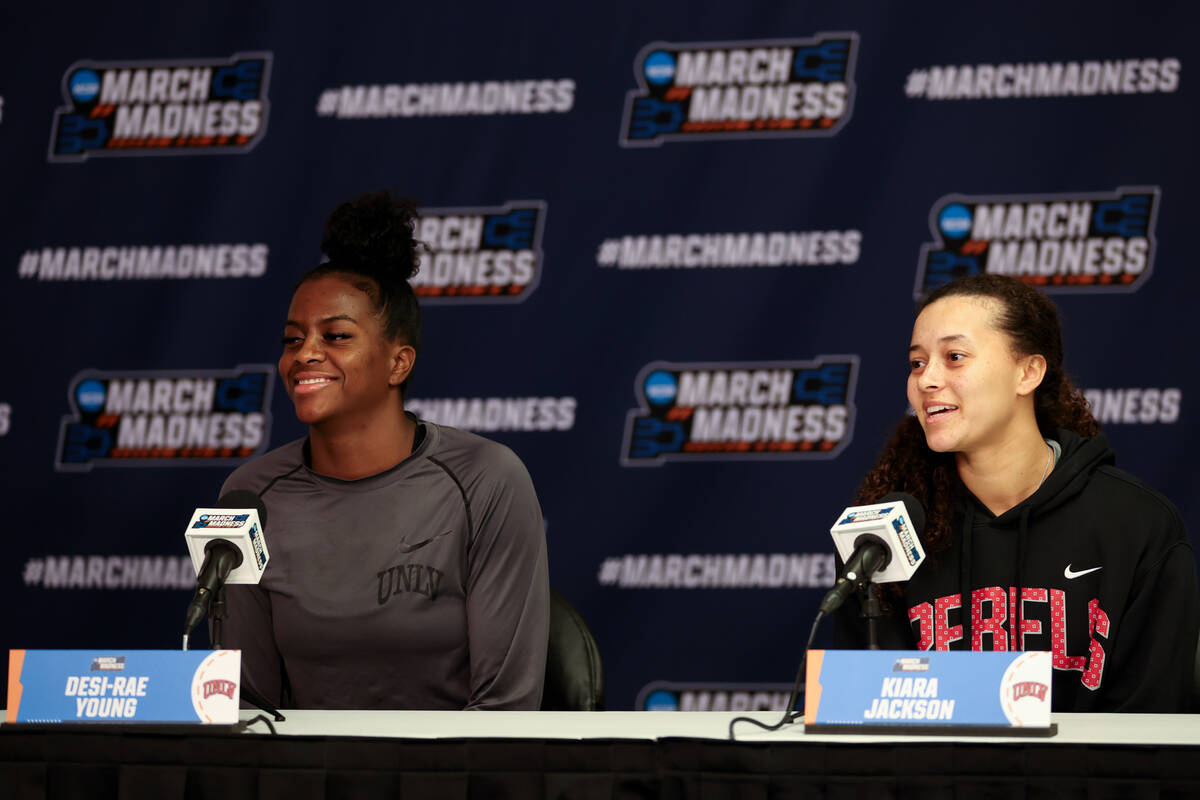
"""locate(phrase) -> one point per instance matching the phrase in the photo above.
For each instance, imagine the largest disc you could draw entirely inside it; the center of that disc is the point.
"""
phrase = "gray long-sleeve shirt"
(424, 586)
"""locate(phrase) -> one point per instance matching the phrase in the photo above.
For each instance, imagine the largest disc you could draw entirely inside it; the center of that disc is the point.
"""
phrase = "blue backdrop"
(674, 259)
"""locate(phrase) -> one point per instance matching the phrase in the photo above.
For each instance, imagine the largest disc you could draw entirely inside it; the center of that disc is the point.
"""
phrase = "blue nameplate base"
(160, 686)
(861, 690)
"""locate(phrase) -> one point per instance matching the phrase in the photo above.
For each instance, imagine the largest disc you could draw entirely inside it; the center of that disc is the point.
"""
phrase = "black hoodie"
(1109, 587)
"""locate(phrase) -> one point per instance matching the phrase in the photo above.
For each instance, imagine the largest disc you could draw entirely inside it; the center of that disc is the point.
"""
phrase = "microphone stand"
(217, 615)
(872, 610)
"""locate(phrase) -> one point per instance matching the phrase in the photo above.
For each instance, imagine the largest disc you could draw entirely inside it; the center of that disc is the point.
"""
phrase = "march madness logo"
(195, 418)
(179, 107)
(1087, 241)
(486, 254)
(671, 696)
(741, 90)
(743, 410)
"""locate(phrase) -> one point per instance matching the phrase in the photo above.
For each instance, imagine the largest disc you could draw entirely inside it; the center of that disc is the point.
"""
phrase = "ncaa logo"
(659, 67)
(955, 221)
(661, 388)
(661, 700)
(85, 85)
(90, 396)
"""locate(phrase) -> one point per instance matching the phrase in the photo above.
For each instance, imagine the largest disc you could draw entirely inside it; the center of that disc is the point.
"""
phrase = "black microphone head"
(226, 550)
(243, 498)
(916, 512)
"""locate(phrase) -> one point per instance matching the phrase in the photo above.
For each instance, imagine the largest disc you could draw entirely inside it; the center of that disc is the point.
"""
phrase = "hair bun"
(373, 234)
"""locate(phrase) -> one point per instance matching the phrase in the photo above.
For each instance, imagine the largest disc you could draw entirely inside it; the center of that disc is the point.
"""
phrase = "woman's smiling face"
(964, 380)
(336, 361)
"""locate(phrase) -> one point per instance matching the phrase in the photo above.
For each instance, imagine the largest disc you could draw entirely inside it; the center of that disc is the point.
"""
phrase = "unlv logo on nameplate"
(1029, 689)
(218, 686)
(1025, 690)
(215, 690)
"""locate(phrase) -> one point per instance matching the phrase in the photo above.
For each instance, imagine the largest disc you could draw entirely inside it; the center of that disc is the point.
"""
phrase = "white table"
(1136, 729)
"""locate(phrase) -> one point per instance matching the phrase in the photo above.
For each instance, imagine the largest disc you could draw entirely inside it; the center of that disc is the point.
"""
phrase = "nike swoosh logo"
(1071, 574)
(405, 547)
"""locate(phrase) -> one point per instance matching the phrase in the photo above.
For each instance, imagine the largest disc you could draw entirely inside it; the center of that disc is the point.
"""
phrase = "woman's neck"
(1005, 474)
(363, 449)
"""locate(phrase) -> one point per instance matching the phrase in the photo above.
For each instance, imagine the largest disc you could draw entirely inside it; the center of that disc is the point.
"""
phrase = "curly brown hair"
(1030, 319)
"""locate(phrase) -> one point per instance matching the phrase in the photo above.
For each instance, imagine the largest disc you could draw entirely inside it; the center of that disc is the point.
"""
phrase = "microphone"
(227, 545)
(879, 543)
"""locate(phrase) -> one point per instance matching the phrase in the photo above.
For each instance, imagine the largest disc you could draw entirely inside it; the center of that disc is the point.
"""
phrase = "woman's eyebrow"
(954, 337)
(335, 318)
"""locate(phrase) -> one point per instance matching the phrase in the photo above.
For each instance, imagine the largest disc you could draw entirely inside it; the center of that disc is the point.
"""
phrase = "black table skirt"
(188, 766)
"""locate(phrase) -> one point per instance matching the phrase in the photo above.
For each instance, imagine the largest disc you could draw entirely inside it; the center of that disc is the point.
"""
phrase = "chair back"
(1196, 682)
(574, 671)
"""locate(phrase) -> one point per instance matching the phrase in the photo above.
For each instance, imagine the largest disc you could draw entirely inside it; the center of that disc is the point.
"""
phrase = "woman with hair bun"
(1028, 519)
(408, 560)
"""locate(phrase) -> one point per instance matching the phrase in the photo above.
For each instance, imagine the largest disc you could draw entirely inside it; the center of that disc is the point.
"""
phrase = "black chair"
(1196, 682)
(574, 671)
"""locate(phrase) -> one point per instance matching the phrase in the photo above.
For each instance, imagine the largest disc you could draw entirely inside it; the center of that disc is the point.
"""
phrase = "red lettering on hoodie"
(1028, 626)
(935, 631)
(923, 613)
(944, 633)
(1097, 623)
(994, 624)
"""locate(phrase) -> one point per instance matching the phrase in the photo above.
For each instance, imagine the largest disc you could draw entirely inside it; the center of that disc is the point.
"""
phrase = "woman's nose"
(931, 377)
(310, 349)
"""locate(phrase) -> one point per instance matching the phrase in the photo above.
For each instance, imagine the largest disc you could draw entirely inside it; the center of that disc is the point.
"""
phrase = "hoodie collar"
(1079, 459)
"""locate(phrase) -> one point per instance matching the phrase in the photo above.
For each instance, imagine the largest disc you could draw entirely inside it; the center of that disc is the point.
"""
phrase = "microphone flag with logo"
(227, 545)
(879, 543)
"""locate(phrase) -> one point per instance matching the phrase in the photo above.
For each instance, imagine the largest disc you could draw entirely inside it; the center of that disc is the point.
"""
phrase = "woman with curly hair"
(408, 560)
(1036, 541)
